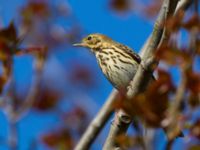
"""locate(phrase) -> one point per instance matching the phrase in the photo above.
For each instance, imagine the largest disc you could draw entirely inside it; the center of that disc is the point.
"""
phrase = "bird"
(118, 62)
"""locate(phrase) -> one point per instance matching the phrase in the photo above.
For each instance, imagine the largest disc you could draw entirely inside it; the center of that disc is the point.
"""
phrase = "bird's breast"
(118, 70)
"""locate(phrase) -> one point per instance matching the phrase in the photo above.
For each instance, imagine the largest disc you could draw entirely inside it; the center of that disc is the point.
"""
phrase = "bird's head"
(94, 42)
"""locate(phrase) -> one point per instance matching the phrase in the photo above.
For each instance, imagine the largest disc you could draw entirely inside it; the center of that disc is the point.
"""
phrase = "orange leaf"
(193, 82)
(120, 5)
(173, 56)
(192, 23)
(151, 105)
(195, 129)
(9, 34)
(174, 23)
(59, 139)
(194, 100)
(46, 99)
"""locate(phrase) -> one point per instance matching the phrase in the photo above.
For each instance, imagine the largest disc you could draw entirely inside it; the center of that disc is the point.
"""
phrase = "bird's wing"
(134, 55)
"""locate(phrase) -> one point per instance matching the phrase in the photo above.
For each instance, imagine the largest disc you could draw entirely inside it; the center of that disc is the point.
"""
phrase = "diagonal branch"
(143, 75)
(102, 117)
(97, 123)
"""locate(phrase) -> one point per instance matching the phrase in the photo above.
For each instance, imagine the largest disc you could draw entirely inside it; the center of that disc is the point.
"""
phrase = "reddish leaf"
(76, 119)
(4, 51)
(6, 59)
(197, 45)
(152, 9)
(156, 98)
(151, 105)
(173, 56)
(51, 140)
(81, 74)
(35, 8)
(60, 139)
(39, 18)
(2, 82)
(194, 100)
(46, 99)
(126, 142)
(193, 82)
(174, 23)
(195, 129)
(77, 112)
(192, 23)
(9, 34)
(8, 42)
(120, 5)
(38, 51)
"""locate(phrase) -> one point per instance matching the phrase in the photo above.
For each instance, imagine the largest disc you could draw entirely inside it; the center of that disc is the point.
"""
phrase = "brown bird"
(118, 62)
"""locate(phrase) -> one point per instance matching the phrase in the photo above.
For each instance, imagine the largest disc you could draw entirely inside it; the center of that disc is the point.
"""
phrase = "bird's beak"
(79, 44)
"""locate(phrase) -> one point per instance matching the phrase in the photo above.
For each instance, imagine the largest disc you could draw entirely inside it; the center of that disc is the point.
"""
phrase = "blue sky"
(94, 16)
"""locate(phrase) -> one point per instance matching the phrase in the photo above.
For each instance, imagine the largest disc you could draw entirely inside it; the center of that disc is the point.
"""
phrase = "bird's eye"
(89, 38)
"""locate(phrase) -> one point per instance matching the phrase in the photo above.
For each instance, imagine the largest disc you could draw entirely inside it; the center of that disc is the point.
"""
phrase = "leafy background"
(72, 87)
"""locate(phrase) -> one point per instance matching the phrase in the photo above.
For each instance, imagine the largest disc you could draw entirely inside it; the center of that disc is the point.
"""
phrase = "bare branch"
(171, 121)
(118, 126)
(34, 89)
(15, 114)
(144, 74)
(13, 135)
(167, 10)
(98, 123)
(172, 125)
(183, 5)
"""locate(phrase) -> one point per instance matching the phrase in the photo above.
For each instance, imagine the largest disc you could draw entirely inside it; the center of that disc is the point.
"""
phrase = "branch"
(34, 89)
(98, 123)
(118, 127)
(183, 5)
(15, 114)
(144, 72)
(13, 135)
(166, 11)
(171, 123)
(102, 117)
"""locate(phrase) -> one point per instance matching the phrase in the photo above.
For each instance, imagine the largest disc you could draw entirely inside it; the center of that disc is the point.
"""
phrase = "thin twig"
(172, 126)
(13, 135)
(174, 110)
(34, 89)
(14, 114)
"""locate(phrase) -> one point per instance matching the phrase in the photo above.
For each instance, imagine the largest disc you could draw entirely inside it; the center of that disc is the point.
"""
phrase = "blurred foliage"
(120, 5)
(60, 139)
(152, 105)
(41, 34)
(38, 32)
